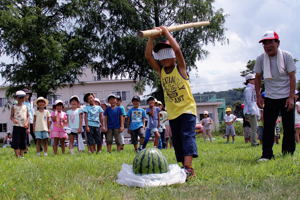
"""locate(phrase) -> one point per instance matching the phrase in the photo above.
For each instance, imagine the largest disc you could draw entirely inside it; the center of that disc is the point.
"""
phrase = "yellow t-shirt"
(177, 92)
(41, 120)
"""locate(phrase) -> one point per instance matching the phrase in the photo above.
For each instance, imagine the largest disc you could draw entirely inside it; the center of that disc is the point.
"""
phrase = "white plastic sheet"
(127, 177)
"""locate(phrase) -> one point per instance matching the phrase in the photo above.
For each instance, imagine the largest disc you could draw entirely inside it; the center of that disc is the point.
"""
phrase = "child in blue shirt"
(93, 119)
(114, 121)
(153, 122)
(136, 120)
(119, 104)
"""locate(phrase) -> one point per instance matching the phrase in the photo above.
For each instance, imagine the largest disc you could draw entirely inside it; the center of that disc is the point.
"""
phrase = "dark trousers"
(271, 111)
(183, 136)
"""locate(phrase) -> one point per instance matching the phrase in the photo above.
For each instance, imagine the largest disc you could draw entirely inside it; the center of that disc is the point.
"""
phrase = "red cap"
(269, 35)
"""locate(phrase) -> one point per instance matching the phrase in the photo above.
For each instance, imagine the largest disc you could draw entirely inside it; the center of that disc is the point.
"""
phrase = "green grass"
(224, 171)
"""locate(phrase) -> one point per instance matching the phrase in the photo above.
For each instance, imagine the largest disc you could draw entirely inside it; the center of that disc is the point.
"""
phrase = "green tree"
(123, 51)
(51, 40)
(48, 41)
(249, 68)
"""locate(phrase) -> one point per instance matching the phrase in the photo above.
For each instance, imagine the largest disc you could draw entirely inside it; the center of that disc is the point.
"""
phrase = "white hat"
(164, 54)
(111, 96)
(41, 99)
(20, 93)
(98, 100)
(58, 101)
(205, 112)
(249, 77)
(159, 102)
(269, 35)
(75, 97)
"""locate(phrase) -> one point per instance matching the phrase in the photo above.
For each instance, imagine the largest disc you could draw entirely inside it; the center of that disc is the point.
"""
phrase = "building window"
(123, 94)
(3, 128)
(3, 101)
(97, 77)
(53, 98)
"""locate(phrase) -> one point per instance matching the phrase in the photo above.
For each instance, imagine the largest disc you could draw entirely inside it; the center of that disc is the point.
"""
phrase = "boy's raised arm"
(176, 48)
(149, 56)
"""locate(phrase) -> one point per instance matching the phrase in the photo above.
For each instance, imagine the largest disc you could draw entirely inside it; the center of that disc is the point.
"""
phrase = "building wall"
(4, 114)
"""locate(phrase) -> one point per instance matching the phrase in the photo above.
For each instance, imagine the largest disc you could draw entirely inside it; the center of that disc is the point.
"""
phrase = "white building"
(88, 82)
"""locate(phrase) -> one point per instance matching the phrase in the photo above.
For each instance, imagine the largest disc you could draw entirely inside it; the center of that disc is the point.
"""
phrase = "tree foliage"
(51, 40)
(232, 97)
(249, 68)
(48, 41)
(124, 51)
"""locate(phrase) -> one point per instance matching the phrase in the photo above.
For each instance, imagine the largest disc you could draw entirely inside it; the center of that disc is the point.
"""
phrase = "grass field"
(224, 171)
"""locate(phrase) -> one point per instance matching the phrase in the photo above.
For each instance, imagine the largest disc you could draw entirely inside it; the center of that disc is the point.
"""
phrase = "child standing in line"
(59, 121)
(167, 60)
(207, 126)
(229, 120)
(163, 117)
(93, 120)
(98, 103)
(119, 104)
(74, 120)
(83, 133)
(136, 123)
(114, 121)
(153, 122)
(20, 118)
(41, 125)
(29, 105)
(104, 106)
(251, 110)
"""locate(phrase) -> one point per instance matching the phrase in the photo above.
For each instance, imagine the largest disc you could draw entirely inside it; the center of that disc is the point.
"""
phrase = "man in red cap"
(277, 68)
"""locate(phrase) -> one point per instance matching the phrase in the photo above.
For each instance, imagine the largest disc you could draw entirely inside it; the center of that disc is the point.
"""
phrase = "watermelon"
(150, 161)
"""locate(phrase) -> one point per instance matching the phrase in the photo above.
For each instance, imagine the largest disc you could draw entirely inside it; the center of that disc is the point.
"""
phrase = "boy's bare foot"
(190, 173)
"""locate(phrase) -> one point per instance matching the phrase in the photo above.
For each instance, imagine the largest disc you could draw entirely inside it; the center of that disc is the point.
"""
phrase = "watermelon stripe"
(148, 163)
(135, 162)
(141, 162)
(153, 163)
(159, 164)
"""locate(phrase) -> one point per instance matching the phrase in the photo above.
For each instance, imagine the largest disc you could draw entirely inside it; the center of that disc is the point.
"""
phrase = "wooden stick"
(153, 32)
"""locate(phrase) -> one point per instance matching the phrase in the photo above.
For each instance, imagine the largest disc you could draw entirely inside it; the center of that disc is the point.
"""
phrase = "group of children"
(94, 119)
(167, 60)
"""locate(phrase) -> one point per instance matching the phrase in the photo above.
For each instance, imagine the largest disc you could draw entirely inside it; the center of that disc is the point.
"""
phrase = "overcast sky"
(246, 22)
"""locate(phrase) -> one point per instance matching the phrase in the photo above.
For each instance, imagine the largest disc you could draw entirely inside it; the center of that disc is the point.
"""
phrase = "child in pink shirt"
(59, 120)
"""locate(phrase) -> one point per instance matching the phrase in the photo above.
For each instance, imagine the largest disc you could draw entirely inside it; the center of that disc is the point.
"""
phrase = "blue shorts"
(41, 135)
(183, 136)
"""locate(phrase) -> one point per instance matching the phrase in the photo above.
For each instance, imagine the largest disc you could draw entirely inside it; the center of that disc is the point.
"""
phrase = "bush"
(238, 126)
